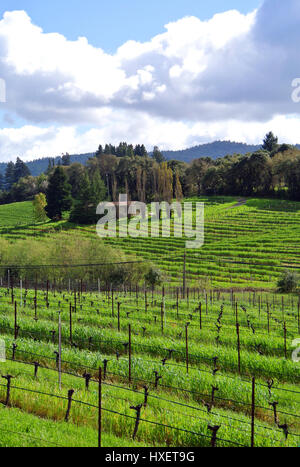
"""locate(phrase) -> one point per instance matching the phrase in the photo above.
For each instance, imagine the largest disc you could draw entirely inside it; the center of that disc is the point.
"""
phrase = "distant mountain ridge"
(39, 166)
(214, 150)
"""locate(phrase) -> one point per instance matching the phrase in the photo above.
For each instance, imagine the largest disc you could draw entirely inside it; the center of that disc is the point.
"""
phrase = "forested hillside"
(213, 150)
(273, 170)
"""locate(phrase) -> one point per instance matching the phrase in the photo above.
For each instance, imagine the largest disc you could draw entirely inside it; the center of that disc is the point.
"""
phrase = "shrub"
(288, 282)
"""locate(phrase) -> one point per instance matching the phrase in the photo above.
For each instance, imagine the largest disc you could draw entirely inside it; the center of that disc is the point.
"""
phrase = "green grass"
(18, 428)
(262, 231)
(16, 214)
(233, 399)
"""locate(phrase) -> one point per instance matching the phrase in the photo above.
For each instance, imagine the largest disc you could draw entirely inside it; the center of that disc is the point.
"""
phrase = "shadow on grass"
(276, 205)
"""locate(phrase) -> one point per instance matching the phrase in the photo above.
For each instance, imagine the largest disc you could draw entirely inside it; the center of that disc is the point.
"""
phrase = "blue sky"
(108, 24)
(172, 73)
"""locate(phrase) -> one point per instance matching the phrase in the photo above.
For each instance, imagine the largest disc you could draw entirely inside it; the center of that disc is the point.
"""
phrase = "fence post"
(187, 348)
(284, 336)
(238, 346)
(59, 349)
(119, 316)
(253, 412)
(162, 317)
(129, 354)
(47, 296)
(16, 325)
(14, 348)
(146, 302)
(200, 315)
(21, 293)
(12, 289)
(35, 308)
(71, 328)
(105, 362)
(99, 407)
(184, 275)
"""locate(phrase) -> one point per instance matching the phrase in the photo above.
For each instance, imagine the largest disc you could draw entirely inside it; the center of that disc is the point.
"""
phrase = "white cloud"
(226, 78)
(31, 142)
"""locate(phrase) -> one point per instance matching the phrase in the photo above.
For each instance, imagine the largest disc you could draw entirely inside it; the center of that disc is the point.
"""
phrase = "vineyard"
(248, 243)
(208, 364)
(173, 369)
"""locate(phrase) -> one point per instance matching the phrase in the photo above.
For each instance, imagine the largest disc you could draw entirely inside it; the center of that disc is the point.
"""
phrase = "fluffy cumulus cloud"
(228, 77)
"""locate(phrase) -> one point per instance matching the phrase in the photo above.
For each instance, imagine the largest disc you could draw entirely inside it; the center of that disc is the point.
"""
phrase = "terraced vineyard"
(178, 368)
(248, 243)
(212, 367)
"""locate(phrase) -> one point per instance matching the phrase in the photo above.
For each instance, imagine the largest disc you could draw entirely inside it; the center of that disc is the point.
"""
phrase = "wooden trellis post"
(129, 353)
(253, 412)
(100, 407)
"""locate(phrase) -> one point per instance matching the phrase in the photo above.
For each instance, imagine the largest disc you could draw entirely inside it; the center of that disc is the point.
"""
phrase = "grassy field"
(248, 243)
(183, 370)
(180, 409)
(16, 214)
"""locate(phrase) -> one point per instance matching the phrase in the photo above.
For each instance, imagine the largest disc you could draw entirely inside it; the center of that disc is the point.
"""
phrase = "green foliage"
(288, 282)
(270, 142)
(153, 277)
(66, 159)
(58, 195)
(157, 155)
(92, 192)
(39, 204)
(14, 172)
(16, 214)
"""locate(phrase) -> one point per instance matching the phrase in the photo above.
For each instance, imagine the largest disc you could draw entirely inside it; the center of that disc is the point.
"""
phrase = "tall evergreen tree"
(1, 182)
(144, 152)
(270, 142)
(21, 170)
(92, 192)
(9, 175)
(66, 159)
(157, 155)
(58, 195)
(99, 151)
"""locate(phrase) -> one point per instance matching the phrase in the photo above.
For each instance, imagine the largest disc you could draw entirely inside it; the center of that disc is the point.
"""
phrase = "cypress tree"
(20, 170)
(9, 175)
(92, 192)
(58, 195)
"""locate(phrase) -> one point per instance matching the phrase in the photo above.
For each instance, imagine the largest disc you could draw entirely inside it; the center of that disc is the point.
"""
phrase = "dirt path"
(240, 202)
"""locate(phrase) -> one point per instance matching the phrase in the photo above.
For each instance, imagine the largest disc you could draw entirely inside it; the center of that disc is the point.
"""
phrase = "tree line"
(274, 171)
